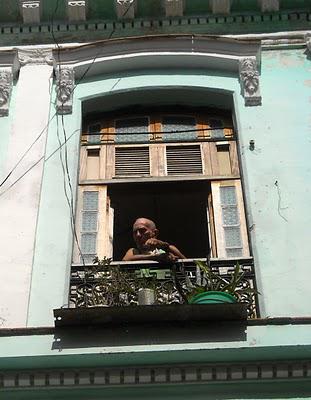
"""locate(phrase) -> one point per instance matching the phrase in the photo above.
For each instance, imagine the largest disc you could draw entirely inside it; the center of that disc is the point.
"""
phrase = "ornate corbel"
(126, 8)
(76, 10)
(308, 41)
(64, 89)
(174, 8)
(249, 80)
(6, 84)
(31, 11)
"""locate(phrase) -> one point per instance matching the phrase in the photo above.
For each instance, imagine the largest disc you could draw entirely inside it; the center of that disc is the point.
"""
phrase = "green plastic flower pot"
(212, 298)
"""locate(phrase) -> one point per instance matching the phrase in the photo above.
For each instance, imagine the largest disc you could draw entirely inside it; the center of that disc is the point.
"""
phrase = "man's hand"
(165, 258)
(154, 243)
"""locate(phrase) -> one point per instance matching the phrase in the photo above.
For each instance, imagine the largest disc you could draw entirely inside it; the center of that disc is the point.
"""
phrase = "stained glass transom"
(173, 127)
(132, 130)
(217, 126)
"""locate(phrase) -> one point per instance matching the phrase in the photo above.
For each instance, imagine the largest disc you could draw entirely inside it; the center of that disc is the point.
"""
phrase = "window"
(177, 167)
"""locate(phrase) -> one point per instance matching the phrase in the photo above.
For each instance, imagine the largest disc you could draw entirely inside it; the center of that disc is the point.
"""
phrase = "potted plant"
(119, 287)
(210, 288)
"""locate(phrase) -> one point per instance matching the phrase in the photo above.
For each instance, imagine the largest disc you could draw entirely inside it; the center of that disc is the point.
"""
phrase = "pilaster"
(249, 80)
(269, 5)
(126, 9)
(220, 6)
(31, 11)
(20, 194)
(76, 10)
(174, 8)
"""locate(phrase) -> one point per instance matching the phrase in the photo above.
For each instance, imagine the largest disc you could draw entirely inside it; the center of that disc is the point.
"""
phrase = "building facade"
(195, 114)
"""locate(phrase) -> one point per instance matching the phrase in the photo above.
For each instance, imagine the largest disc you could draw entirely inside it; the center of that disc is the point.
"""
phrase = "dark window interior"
(178, 209)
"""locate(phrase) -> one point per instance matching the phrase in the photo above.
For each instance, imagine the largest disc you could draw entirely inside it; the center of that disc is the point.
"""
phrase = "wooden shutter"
(132, 161)
(229, 219)
(183, 160)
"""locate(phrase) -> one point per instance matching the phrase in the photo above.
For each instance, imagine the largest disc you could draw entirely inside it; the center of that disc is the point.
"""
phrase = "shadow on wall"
(149, 334)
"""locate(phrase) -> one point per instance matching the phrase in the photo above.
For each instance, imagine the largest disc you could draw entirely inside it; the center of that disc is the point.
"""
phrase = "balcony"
(97, 288)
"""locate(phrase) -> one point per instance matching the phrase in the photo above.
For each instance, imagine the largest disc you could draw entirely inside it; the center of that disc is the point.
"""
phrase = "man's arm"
(176, 252)
(133, 255)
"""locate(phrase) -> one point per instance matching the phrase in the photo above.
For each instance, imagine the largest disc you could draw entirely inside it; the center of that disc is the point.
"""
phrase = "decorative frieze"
(174, 8)
(249, 80)
(31, 11)
(6, 83)
(126, 8)
(159, 375)
(269, 5)
(76, 10)
(64, 89)
(35, 56)
(220, 6)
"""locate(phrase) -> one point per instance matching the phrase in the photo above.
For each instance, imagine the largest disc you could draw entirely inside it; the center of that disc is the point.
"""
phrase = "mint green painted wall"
(281, 130)
(280, 215)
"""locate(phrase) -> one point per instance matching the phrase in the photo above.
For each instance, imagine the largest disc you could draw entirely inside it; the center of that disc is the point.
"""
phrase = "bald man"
(148, 247)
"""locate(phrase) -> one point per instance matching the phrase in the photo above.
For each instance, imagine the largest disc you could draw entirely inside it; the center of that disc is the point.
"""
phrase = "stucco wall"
(276, 176)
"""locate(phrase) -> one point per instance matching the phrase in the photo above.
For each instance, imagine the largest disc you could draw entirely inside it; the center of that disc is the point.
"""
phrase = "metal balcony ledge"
(115, 315)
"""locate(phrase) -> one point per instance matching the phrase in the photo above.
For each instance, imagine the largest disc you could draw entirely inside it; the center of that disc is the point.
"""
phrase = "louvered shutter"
(229, 217)
(132, 161)
(183, 160)
(89, 226)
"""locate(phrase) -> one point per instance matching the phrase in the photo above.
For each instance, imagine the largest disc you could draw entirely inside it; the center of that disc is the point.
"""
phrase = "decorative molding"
(159, 375)
(220, 6)
(64, 89)
(308, 41)
(249, 80)
(35, 56)
(126, 8)
(76, 10)
(269, 5)
(174, 8)
(31, 11)
(6, 84)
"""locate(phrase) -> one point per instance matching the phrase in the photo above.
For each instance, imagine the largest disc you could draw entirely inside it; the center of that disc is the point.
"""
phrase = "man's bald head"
(143, 229)
(145, 221)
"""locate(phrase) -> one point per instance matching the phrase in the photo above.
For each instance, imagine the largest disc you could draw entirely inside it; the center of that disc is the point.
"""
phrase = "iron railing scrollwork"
(118, 285)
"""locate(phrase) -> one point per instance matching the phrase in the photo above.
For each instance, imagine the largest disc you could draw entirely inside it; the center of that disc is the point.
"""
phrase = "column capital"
(35, 57)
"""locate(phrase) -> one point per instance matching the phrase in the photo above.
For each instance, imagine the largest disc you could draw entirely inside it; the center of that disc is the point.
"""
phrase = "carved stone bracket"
(31, 11)
(64, 89)
(76, 10)
(269, 5)
(6, 83)
(249, 80)
(174, 8)
(220, 6)
(308, 41)
(126, 8)
(35, 56)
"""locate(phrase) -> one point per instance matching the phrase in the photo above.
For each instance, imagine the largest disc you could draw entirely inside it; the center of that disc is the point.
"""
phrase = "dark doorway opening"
(179, 210)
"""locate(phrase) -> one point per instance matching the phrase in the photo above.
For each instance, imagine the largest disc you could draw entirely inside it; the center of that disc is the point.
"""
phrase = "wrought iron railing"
(118, 285)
